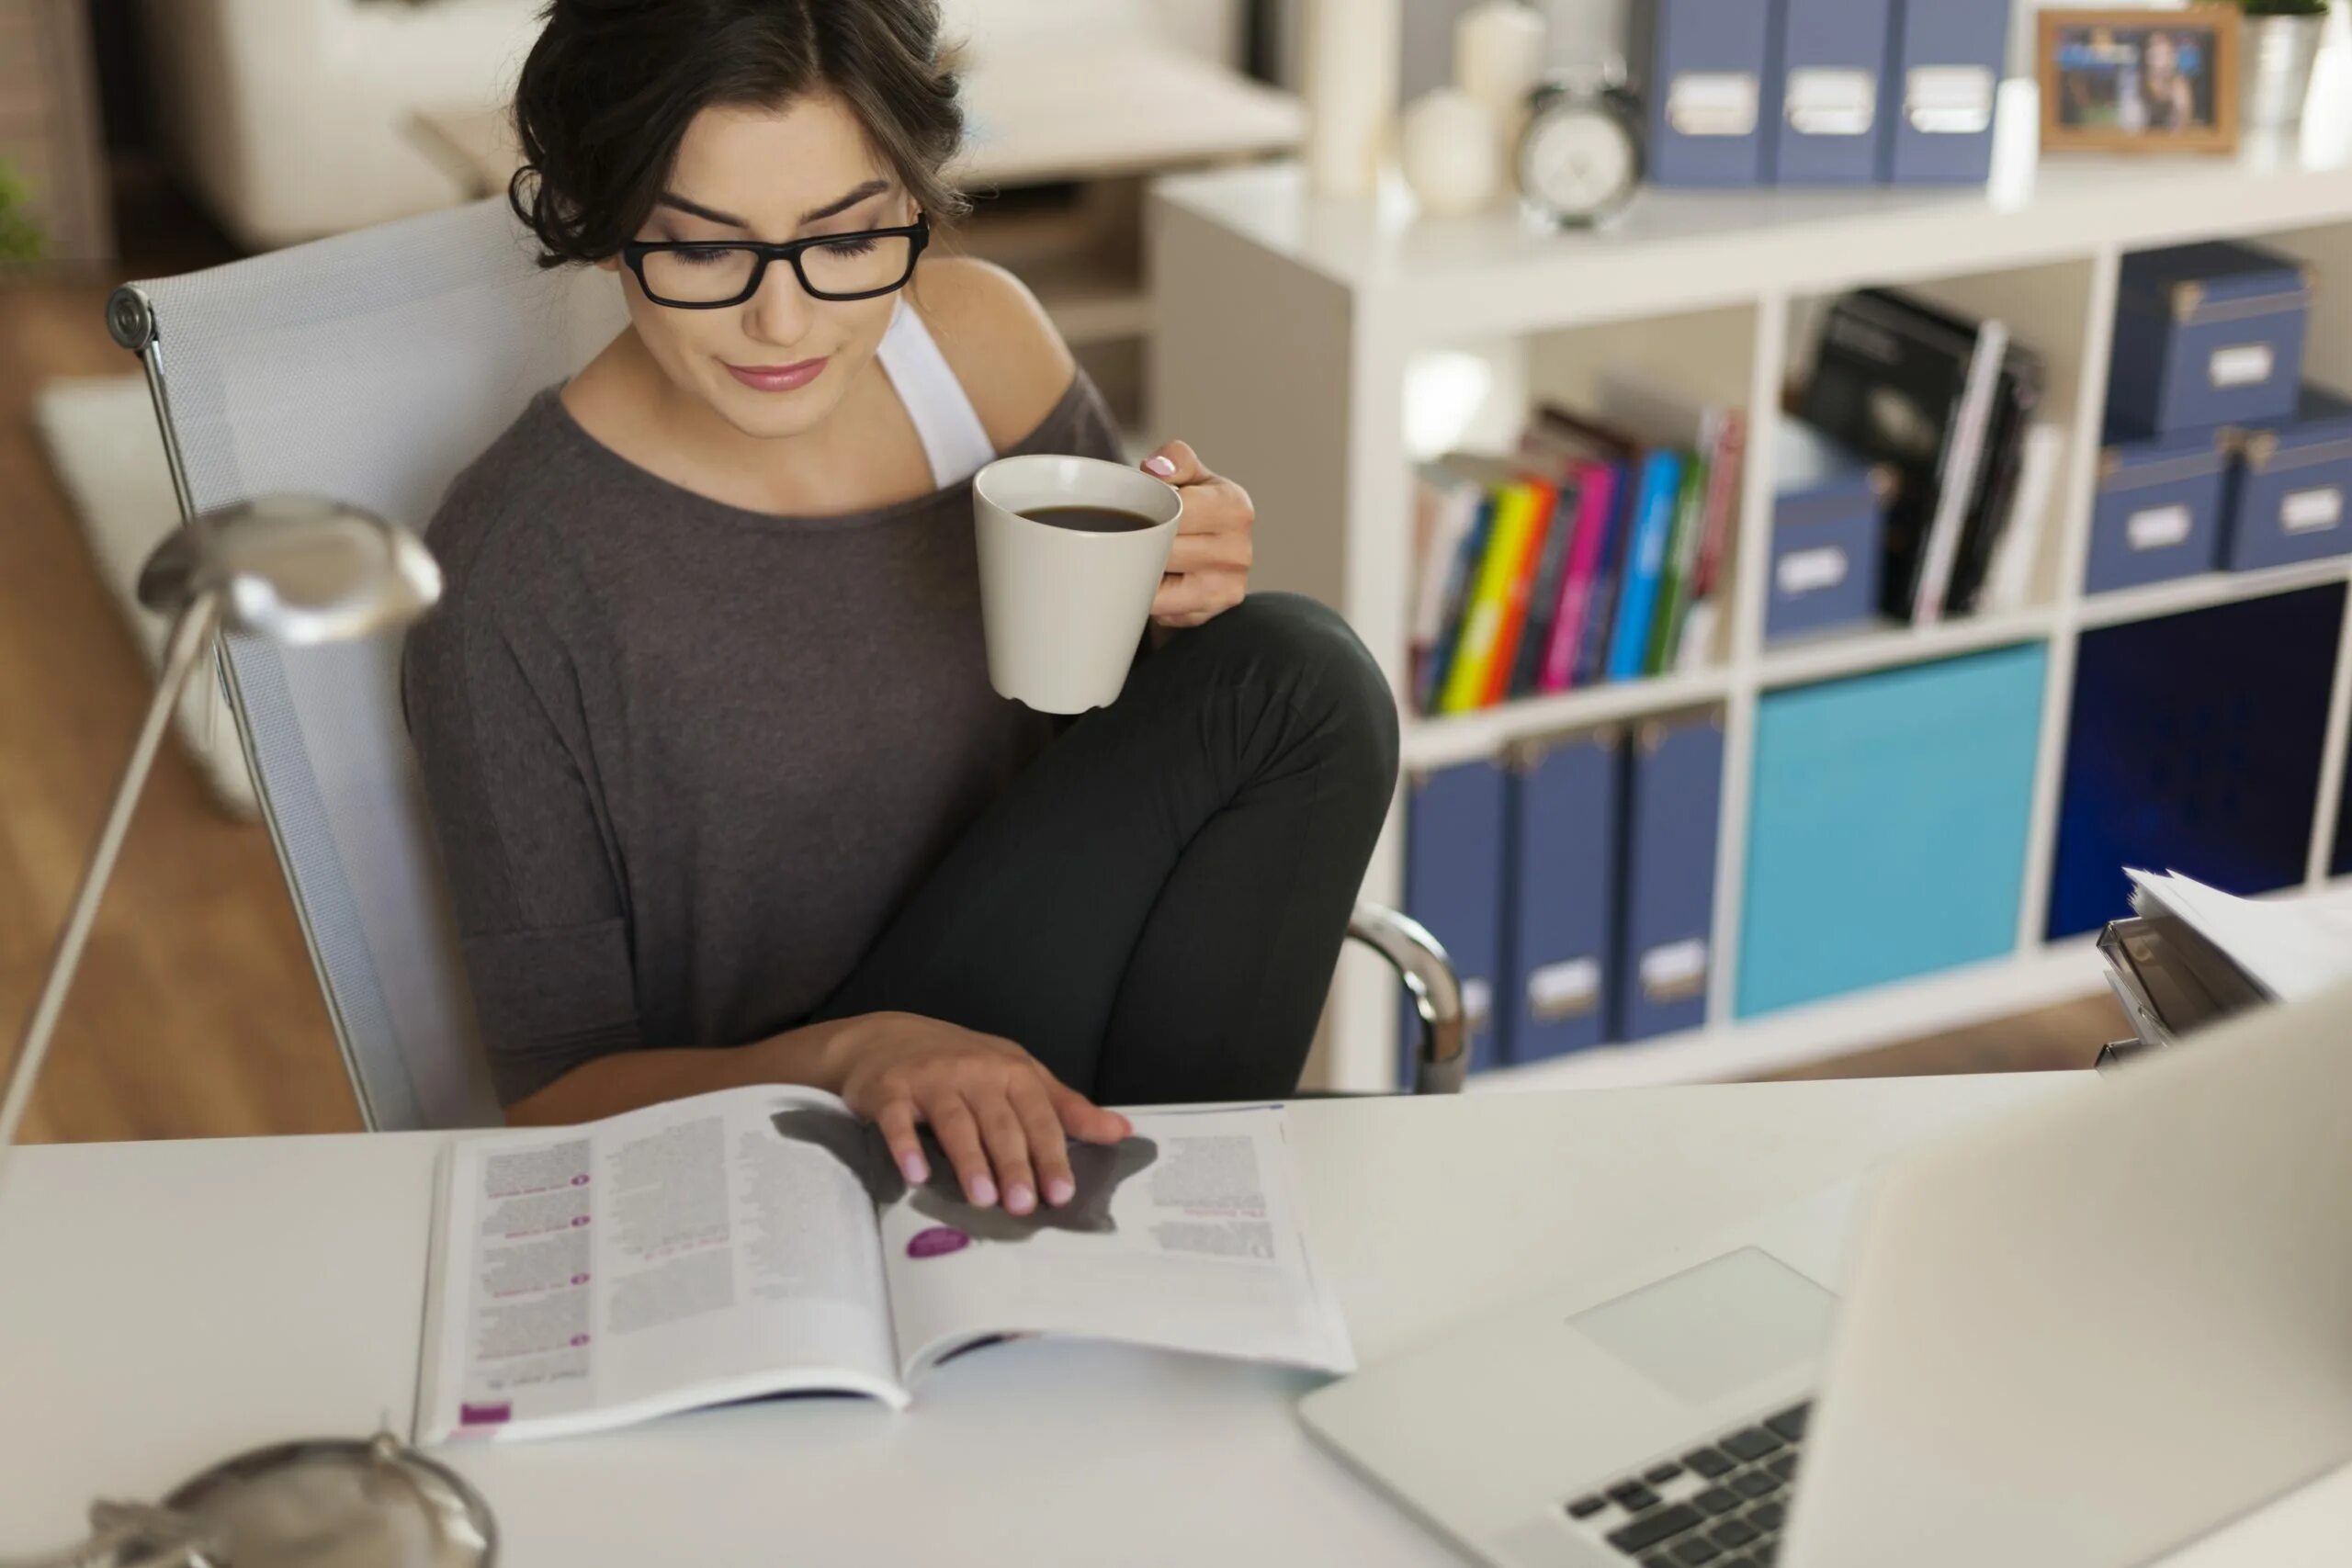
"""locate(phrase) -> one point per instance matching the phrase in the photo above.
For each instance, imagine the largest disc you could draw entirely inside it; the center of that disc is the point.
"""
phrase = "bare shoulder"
(998, 340)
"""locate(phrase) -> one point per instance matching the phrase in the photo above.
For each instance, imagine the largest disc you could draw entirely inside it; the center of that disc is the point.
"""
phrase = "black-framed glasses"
(710, 275)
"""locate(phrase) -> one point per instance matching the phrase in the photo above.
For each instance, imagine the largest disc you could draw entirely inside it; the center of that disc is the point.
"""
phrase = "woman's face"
(778, 363)
(2159, 56)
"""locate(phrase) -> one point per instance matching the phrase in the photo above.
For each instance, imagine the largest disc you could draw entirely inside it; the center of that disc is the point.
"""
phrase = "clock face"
(1579, 162)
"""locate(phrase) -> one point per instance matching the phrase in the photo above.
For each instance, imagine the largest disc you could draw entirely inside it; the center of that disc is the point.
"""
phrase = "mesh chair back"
(370, 368)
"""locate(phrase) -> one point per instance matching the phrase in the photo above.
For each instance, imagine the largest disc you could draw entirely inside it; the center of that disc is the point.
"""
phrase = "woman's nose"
(781, 311)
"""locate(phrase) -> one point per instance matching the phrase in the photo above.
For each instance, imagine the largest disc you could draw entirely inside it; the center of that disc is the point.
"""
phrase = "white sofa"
(296, 118)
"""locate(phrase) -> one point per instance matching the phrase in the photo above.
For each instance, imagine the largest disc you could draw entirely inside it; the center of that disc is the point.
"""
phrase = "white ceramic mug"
(1065, 608)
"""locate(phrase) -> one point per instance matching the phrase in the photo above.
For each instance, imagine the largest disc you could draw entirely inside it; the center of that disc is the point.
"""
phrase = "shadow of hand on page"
(1097, 1169)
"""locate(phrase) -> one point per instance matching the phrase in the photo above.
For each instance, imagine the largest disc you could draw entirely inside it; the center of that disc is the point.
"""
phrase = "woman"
(704, 723)
(2167, 90)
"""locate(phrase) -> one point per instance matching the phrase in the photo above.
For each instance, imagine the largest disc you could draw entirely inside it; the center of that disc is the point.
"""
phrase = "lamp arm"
(191, 637)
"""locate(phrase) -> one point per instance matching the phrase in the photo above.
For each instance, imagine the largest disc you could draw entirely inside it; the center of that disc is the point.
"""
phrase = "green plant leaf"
(21, 239)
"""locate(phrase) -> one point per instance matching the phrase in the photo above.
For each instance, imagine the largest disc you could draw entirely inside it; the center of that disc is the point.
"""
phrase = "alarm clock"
(1580, 156)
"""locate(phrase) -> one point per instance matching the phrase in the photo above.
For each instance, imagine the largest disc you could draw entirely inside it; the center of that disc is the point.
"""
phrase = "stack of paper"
(2290, 948)
(2193, 954)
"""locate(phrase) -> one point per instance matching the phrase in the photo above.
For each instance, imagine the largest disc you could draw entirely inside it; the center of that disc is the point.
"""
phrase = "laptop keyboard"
(1720, 1504)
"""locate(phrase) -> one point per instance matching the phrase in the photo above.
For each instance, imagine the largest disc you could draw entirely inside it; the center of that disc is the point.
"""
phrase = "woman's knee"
(1310, 652)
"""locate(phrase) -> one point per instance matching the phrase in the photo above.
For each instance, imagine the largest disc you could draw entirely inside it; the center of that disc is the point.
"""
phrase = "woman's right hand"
(1003, 1119)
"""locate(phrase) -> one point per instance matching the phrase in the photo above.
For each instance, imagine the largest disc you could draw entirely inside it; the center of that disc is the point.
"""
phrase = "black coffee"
(1091, 519)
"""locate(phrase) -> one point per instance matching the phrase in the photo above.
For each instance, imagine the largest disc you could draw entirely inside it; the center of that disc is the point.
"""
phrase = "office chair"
(372, 368)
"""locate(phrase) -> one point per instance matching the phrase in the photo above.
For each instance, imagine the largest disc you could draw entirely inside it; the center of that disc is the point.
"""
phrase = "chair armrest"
(1442, 1059)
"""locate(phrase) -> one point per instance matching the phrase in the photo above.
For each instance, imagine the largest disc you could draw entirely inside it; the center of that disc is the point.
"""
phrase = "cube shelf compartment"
(1303, 319)
(2195, 747)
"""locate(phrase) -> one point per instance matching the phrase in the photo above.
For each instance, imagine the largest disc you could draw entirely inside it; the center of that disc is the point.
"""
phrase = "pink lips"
(778, 378)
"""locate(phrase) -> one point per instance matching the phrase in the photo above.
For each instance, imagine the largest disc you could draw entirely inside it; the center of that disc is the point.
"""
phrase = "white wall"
(1211, 28)
(1581, 29)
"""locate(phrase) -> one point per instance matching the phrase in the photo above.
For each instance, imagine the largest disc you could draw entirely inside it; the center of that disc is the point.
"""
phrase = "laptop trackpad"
(1710, 1331)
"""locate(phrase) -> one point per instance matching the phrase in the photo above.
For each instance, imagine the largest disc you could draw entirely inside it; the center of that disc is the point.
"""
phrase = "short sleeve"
(525, 843)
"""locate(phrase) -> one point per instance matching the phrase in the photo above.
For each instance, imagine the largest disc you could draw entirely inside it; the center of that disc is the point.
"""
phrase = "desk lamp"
(299, 572)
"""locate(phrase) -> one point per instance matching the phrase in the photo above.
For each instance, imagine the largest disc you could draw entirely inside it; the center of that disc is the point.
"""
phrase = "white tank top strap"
(953, 436)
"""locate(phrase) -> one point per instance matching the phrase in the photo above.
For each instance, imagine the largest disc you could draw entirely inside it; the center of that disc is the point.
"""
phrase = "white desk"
(165, 1305)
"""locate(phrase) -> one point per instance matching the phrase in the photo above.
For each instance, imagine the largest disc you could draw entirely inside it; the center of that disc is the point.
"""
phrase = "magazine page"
(679, 1256)
(1187, 1236)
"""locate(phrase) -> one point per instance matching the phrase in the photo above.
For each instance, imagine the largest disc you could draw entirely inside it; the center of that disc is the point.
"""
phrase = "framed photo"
(2115, 80)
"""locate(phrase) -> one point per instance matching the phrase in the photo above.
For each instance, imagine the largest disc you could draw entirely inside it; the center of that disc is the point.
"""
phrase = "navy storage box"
(2292, 485)
(2196, 744)
(2159, 509)
(1943, 77)
(1701, 68)
(1823, 96)
(1828, 522)
(2207, 334)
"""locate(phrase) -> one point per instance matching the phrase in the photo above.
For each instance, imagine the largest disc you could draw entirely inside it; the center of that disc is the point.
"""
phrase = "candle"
(1499, 57)
(1352, 73)
(1449, 149)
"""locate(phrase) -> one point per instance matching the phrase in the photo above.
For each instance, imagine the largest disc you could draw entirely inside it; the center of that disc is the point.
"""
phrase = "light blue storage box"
(1887, 826)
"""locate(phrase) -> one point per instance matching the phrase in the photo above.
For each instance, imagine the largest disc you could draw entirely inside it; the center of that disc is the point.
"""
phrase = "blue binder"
(1563, 896)
(1943, 75)
(1702, 67)
(1673, 794)
(1826, 95)
(1454, 884)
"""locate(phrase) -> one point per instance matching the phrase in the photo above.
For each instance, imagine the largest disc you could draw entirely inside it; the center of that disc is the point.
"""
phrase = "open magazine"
(760, 1241)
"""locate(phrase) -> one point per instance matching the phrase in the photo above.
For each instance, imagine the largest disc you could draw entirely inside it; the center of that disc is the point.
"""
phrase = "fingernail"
(1058, 1191)
(983, 1192)
(1019, 1199)
(913, 1168)
(1164, 467)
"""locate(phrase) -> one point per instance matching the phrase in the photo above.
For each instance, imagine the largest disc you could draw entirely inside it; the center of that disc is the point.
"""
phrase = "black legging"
(1154, 907)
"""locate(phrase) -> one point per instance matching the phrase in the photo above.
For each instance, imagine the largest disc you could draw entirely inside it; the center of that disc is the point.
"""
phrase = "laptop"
(2083, 1334)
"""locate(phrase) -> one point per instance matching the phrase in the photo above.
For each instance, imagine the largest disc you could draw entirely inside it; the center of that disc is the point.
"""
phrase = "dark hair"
(611, 85)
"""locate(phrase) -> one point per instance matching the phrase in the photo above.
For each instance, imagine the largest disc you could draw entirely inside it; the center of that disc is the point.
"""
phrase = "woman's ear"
(610, 264)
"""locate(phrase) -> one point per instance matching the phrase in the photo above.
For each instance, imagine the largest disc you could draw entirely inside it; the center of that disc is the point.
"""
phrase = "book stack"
(1949, 403)
(1595, 554)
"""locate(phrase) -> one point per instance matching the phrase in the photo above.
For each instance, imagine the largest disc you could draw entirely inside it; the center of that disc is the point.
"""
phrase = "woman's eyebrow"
(727, 220)
(814, 215)
(833, 208)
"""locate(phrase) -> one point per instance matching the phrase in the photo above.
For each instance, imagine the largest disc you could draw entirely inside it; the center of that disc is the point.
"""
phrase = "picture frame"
(2130, 80)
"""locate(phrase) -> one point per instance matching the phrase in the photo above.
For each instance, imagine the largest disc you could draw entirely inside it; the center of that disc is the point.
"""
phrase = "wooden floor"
(195, 1013)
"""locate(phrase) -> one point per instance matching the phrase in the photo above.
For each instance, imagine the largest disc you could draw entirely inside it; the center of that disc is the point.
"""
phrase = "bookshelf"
(1290, 326)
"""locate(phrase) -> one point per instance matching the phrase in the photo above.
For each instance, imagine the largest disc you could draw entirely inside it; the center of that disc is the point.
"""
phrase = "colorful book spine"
(1543, 608)
(1681, 567)
(1596, 501)
(1481, 624)
(1461, 578)
(1543, 500)
(1608, 578)
(1724, 465)
(1660, 489)
(1444, 505)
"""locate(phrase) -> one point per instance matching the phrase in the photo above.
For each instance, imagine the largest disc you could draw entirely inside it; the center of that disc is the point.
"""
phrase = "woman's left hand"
(1208, 567)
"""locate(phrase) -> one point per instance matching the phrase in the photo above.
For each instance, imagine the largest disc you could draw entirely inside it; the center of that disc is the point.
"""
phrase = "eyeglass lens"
(709, 274)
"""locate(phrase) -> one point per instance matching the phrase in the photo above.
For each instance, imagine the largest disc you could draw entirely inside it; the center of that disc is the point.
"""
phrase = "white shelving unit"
(1290, 326)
